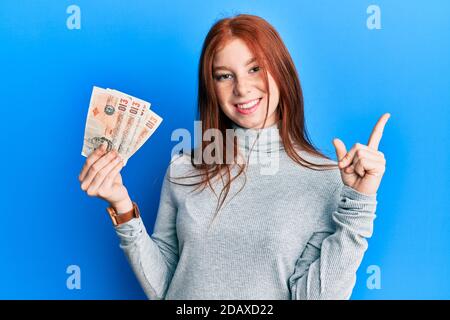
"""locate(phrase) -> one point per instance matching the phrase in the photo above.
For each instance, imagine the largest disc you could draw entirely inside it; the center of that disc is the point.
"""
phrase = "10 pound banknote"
(121, 121)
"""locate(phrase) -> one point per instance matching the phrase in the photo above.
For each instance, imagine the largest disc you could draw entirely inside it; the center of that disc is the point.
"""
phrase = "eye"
(255, 69)
(220, 77)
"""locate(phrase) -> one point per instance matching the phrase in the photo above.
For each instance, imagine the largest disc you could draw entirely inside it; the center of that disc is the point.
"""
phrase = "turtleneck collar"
(269, 139)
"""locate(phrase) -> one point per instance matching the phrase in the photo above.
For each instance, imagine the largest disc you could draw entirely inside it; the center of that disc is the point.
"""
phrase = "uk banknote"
(120, 120)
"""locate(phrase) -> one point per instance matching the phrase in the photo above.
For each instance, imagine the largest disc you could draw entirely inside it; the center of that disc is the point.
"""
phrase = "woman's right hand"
(100, 177)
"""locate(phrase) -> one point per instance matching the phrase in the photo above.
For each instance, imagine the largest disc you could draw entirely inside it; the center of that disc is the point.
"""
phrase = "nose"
(241, 87)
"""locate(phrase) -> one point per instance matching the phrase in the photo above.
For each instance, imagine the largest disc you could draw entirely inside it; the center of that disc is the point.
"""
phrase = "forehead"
(234, 52)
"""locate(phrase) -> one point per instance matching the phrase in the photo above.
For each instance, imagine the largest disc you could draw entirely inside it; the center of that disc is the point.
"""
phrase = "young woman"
(228, 229)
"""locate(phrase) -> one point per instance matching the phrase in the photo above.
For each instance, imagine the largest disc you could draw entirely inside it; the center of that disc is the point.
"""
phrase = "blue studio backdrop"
(356, 61)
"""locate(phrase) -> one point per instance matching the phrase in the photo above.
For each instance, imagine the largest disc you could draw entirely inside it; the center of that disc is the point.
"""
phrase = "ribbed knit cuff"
(353, 194)
(356, 203)
(356, 211)
(128, 232)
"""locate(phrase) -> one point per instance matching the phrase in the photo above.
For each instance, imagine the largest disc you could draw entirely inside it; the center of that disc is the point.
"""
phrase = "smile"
(248, 107)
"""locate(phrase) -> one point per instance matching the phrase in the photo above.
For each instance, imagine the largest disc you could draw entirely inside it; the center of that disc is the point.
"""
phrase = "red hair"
(273, 57)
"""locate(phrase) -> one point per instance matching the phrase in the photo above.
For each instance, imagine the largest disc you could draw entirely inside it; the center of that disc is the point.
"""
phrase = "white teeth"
(248, 105)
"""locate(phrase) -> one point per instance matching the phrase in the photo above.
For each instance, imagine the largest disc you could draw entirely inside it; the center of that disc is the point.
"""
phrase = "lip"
(251, 110)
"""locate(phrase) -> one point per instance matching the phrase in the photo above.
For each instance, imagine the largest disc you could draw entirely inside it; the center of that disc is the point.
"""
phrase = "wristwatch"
(118, 219)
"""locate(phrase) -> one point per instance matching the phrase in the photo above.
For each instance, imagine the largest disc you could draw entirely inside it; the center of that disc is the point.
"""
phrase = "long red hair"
(273, 57)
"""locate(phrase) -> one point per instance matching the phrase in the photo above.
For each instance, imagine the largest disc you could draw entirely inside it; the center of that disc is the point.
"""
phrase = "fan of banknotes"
(121, 121)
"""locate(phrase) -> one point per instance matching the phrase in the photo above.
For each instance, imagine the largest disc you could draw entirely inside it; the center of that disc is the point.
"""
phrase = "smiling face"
(239, 85)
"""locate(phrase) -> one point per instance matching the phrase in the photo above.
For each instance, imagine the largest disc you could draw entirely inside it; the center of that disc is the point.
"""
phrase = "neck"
(264, 140)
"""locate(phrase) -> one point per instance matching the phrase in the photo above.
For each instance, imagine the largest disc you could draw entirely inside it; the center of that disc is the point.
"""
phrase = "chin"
(250, 124)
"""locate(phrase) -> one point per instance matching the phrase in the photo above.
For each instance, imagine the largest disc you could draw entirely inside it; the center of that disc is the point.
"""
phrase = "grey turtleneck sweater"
(290, 233)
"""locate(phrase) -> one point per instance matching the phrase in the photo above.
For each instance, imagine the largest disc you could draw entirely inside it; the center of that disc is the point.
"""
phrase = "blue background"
(350, 76)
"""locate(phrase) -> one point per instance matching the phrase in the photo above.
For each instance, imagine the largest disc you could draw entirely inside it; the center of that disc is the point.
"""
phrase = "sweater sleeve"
(153, 258)
(327, 267)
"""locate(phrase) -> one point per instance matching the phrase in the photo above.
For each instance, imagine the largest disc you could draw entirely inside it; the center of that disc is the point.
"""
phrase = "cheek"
(274, 92)
(222, 93)
(274, 97)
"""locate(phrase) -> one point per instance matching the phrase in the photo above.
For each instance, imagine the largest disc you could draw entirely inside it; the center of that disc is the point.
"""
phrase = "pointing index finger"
(377, 132)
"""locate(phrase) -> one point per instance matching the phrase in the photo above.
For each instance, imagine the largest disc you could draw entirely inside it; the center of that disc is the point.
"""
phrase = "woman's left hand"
(363, 166)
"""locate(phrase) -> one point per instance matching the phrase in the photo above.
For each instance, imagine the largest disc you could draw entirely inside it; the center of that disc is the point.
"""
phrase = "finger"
(101, 175)
(96, 167)
(359, 168)
(112, 177)
(369, 154)
(377, 132)
(369, 166)
(350, 169)
(94, 156)
(348, 158)
(341, 150)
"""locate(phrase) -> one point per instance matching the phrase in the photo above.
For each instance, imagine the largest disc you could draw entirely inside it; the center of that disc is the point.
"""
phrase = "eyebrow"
(225, 68)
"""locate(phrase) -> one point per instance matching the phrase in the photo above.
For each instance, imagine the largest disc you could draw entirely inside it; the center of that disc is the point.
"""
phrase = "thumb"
(341, 150)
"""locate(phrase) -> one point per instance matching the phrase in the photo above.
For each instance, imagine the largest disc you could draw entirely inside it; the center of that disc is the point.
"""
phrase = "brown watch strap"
(118, 219)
